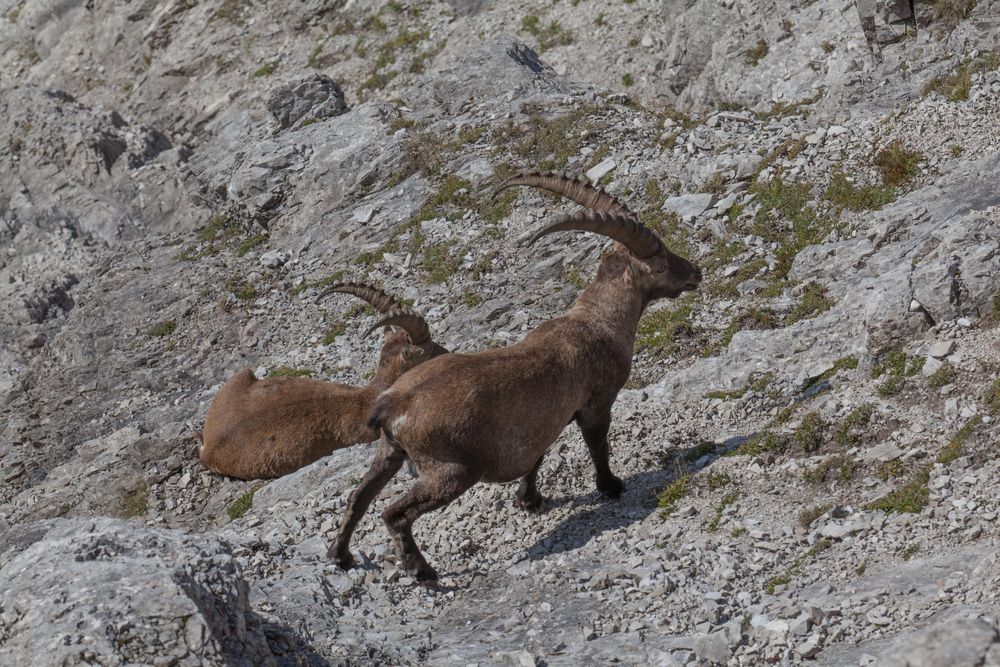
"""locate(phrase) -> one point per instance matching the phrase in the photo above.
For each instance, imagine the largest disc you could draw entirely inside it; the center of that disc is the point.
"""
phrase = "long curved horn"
(413, 324)
(575, 189)
(381, 301)
(625, 229)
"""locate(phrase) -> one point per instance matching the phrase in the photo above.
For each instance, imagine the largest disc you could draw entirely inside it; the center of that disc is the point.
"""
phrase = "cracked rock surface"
(807, 442)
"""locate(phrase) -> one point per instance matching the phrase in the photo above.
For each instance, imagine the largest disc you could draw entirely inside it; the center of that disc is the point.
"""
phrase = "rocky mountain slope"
(807, 442)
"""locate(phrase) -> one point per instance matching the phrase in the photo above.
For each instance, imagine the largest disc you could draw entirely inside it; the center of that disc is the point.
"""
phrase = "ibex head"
(642, 258)
(407, 337)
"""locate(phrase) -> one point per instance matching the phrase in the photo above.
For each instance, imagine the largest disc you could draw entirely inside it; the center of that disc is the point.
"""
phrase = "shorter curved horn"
(574, 189)
(413, 324)
(625, 229)
(381, 301)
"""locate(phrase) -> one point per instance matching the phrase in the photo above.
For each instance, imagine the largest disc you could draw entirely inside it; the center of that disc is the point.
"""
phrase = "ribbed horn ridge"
(381, 301)
(575, 189)
(413, 324)
(625, 229)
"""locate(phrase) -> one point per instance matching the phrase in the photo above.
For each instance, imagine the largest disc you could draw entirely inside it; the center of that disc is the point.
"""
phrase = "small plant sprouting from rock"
(756, 53)
(726, 501)
(160, 329)
(334, 330)
(942, 376)
(251, 243)
(897, 164)
(136, 503)
(809, 435)
(668, 499)
(548, 36)
(240, 288)
(807, 516)
(956, 445)
(909, 497)
(849, 430)
(910, 551)
(661, 329)
(242, 505)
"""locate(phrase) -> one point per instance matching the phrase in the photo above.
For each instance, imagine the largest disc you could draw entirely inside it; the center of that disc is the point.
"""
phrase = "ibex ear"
(408, 353)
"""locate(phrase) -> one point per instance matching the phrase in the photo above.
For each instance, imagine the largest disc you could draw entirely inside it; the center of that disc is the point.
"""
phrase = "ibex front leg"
(387, 463)
(595, 434)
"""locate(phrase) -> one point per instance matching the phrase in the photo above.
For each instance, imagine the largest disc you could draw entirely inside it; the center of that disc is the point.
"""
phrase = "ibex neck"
(615, 303)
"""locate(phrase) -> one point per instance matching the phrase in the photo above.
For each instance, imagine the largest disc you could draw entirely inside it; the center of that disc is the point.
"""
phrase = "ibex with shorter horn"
(490, 416)
(271, 427)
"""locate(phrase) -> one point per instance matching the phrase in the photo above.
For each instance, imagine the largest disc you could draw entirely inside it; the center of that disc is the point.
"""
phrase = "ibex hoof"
(611, 488)
(344, 561)
(419, 570)
(531, 503)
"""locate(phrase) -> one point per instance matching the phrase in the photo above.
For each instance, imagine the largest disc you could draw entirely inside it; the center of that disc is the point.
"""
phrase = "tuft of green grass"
(814, 301)
(757, 319)
(471, 298)
(243, 503)
(660, 329)
(756, 53)
(241, 288)
(668, 499)
(627, 79)
(809, 435)
(251, 243)
(849, 362)
(775, 581)
(842, 465)
(334, 277)
(548, 36)
(136, 502)
(843, 193)
(264, 70)
(956, 445)
(164, 328)
(765, 441)
(897, 164)
(909, 497)
(727, 500)
(942, 376)
(991, 399)
(438, 262)
(788, 202)
(910, 551)
(847, 432)
(334, 330)
(718, 480)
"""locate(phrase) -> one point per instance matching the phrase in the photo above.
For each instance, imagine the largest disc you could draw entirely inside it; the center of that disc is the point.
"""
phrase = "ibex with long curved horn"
(271, 427)
(490, 416)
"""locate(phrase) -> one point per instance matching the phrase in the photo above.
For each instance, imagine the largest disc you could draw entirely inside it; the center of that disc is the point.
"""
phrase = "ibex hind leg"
(388, 460)
(595, 434)
(528, 497)
(430, 492)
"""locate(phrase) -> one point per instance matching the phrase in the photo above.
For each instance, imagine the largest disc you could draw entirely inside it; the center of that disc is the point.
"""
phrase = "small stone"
(589, 634)
(272, 259)
(931, 366)
(363, 214)
(942, 349)
(688, 205)
(601, 169)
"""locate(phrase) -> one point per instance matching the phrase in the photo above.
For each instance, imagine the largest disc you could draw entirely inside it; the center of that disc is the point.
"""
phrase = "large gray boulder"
(119, 593)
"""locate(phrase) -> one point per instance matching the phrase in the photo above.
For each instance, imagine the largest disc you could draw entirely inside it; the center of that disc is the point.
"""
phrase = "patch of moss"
(756, 53)
(814, 301)
(243, 503)
(471, 298)
(910, 551)
(264, 70)
(909, 497)
(289, 372)
(164, 328)
(627, 79)
(136, 503)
